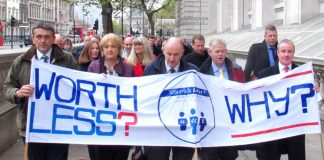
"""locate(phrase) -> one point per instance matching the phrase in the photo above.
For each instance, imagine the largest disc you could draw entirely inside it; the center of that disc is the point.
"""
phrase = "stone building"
(29, 12)
(12, 9)
(241, 23)
(3, 6)
(191, 18)
(218, 16)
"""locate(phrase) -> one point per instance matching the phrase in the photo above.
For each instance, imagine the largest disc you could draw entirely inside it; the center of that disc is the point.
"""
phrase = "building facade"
(3, 9)
(29, 13)
(12, 9)
(220, 16)
(56, 12)
(191, 18)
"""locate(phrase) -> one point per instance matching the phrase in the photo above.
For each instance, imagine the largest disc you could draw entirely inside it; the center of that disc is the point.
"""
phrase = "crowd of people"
(142, 56)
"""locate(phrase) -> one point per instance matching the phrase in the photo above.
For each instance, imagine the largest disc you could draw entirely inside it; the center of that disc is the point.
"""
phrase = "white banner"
(184, 109)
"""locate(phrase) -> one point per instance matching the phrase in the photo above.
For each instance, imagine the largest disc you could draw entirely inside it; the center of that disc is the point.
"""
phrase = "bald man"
(59, 41)
(167, 63)
(128, 44)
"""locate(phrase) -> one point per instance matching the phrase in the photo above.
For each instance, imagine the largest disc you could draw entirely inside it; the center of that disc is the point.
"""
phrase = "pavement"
(7, 46)
(314, 149)
(80, 152)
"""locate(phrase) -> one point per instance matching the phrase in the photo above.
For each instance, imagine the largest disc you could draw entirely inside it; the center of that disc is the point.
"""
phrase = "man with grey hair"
(293, 146)
(167, 63)
(220, 66)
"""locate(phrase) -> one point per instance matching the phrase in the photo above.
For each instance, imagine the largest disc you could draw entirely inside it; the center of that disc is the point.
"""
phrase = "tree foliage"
(168, 11)
(151, 7)
(110, 7)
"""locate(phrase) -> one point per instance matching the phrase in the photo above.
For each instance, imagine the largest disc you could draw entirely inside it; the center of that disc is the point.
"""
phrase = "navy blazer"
(272, 71)
(158, 66)
(258, 59)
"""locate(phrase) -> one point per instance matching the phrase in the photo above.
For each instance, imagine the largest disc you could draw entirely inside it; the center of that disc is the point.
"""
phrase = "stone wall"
(8, 125)
(191, 18)
(5, 63)
(8, 111)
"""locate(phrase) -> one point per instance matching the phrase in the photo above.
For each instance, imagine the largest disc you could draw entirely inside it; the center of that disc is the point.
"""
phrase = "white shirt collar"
(48, 54)
(281, 67)
(167, 67)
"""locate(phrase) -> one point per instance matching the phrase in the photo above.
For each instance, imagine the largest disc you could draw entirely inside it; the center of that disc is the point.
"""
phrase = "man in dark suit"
(293, 146)
(262, 55)
(169, 62)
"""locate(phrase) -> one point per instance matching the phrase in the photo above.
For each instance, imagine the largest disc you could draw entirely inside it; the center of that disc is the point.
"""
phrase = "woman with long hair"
(140, 56)
(89, 53)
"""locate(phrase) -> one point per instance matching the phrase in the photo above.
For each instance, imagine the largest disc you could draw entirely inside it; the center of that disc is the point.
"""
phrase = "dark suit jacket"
(195, 58)
(258, 59)
(272, 71)
(158, 66)
(293, 146)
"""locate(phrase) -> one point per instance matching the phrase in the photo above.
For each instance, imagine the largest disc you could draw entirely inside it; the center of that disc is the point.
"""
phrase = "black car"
(28, 40)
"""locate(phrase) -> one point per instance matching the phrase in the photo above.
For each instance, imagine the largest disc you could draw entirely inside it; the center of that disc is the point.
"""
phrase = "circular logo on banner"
(185, 108)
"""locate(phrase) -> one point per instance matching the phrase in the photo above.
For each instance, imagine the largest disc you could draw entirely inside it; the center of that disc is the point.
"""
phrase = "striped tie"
(44, 58)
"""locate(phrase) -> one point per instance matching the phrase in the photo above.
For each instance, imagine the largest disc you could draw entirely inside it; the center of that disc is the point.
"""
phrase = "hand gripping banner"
(183, 109)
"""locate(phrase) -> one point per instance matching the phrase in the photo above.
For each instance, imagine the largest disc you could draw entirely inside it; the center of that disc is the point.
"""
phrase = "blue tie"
(272, 56)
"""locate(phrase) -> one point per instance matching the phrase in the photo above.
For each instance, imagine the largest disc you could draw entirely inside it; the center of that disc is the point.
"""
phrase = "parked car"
(77, 38)
(28, 40)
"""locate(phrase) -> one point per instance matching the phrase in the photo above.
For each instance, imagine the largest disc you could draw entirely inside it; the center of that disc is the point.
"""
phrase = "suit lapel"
(265, 53)
(276, 69)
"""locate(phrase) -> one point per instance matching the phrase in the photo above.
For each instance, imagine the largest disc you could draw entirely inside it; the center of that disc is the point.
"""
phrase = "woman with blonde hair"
(111, 63)
(89, 53)
(140, 56)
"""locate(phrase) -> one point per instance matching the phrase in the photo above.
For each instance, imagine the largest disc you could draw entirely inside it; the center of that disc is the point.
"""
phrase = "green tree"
(108, 7)
(151, 7)
(167, 12)
(106, 11)
(117, 27)
(166, 29)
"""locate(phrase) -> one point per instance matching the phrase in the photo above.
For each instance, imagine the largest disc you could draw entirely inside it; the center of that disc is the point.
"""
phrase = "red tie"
(286, 69)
